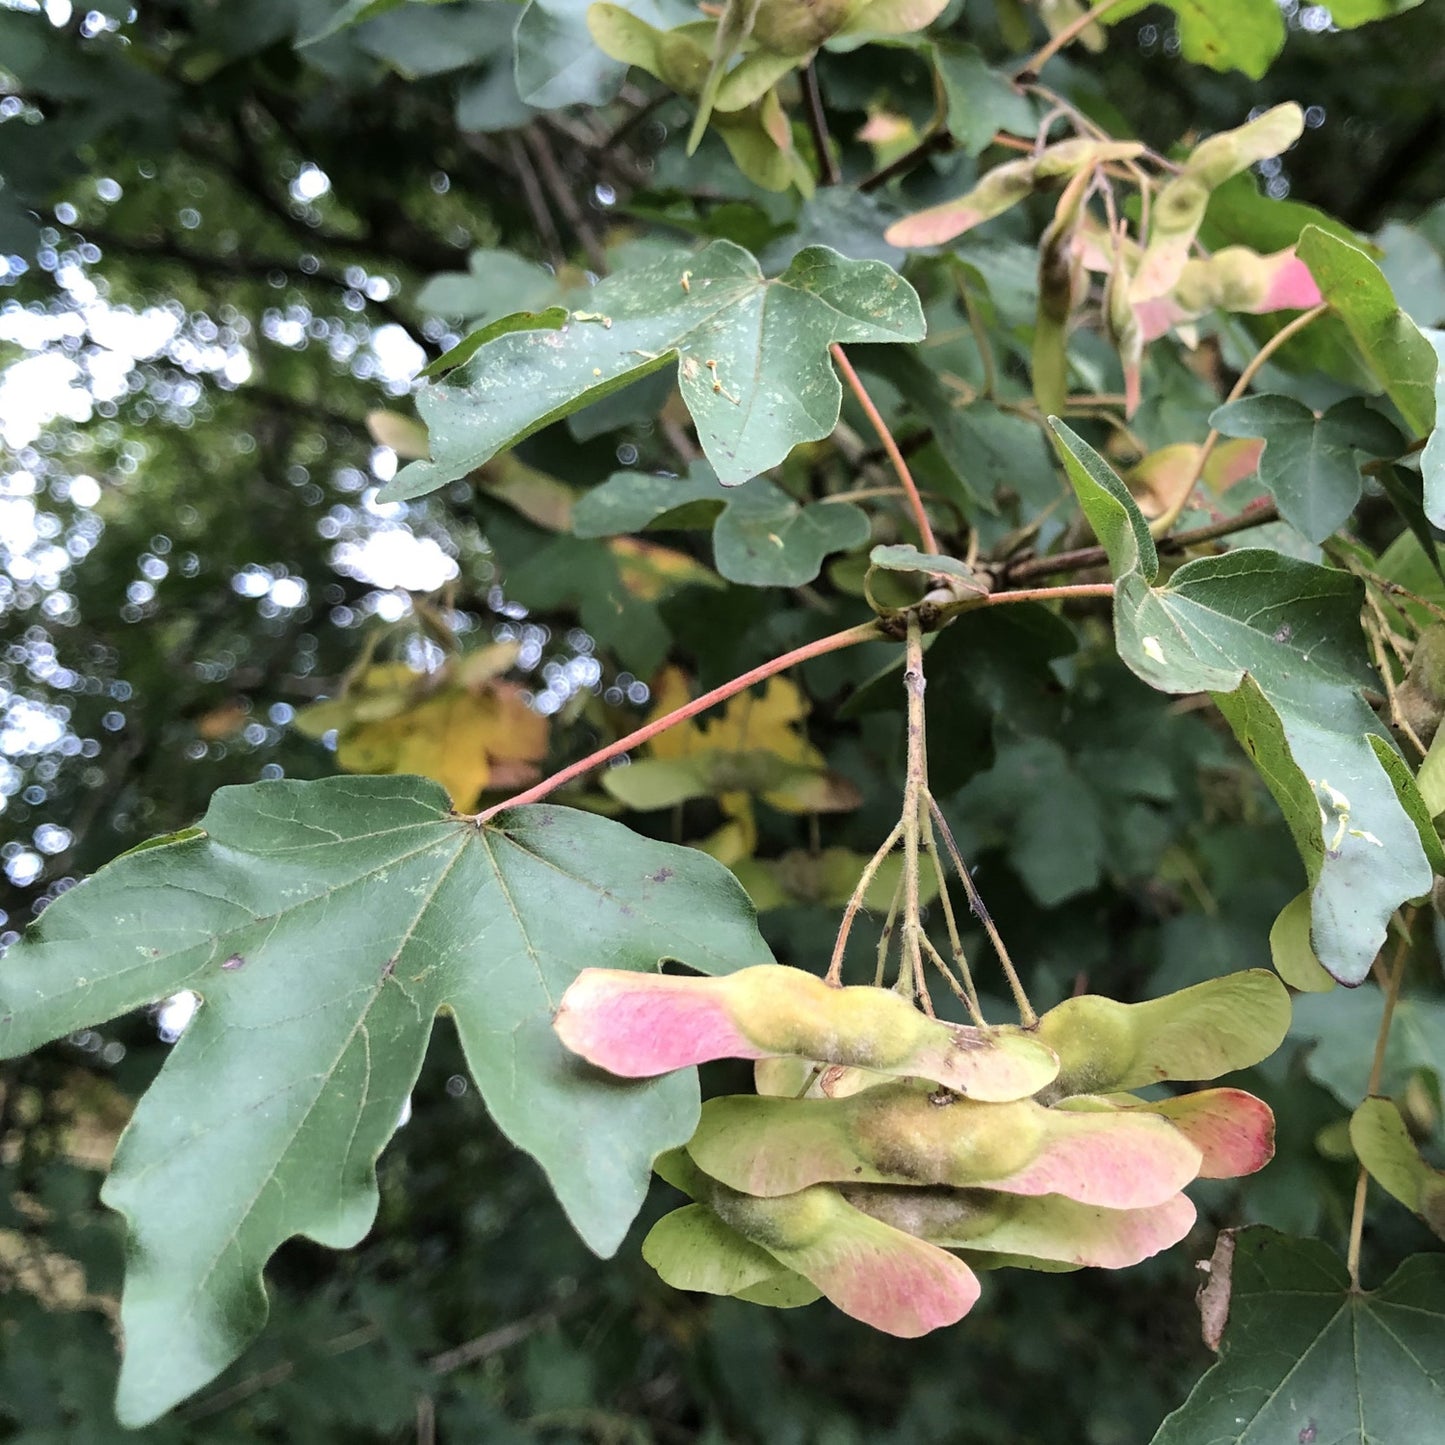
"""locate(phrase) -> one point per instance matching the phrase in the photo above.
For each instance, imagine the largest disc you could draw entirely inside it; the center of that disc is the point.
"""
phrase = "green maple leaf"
(1310, 464)
(751, 355)
(1222, 34)
(1397, 354)
(1307, 1358)
(1277, 642)
(761, 536)
(324, 926)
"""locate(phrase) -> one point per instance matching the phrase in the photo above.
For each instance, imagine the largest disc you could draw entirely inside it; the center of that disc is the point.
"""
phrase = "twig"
(561, 192)
(914, 786)
(1047, 594)
(885, 934)
(1066, 36)
(925, 527)
(1082, 558)
(834, 642)
(965, 988)
(1377, 1070)
(975, 902)
(828, 171)
(936, 140)
(855, 902)
(536, 201)
(483, 1347)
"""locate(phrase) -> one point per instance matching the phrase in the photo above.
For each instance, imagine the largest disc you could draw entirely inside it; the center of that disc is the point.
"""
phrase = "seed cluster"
(888, 1155)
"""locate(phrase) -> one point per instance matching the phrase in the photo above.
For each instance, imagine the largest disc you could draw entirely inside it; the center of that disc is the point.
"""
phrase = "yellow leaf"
(452, 738)
(649, 571)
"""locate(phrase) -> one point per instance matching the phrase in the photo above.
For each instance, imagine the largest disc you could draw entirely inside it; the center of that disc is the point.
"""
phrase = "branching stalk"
(975, 902)
(965, 987)
(865, 881)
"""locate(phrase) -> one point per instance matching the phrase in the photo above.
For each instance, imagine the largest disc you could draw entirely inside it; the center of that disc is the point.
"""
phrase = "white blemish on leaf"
(1152, 649)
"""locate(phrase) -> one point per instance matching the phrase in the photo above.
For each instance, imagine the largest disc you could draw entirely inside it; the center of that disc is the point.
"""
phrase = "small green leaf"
(1432, 460)
(766, 539)
(567, 570)
(559, 64)
(1382, 1141)
(751, 357)
(981, 100)
(1222, 34)
(324, 926)
(495, 284)
(1310, 465)
(1401, 360)
(1306, 1358)
(1291, 951)
(903, 557)
(761, 536)
(1347, 14)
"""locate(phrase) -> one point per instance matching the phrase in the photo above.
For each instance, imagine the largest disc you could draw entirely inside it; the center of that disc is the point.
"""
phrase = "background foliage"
(234, 234)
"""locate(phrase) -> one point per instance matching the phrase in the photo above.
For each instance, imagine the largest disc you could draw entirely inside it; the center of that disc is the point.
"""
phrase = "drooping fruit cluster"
(888, 1154)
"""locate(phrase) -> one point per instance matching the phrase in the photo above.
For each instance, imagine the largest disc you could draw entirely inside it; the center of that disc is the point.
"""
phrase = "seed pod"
(1178, 210)
(691, 1248)
(1233, 1131)
(903, 1134)
(1201, 1032)
(641, 1024)
(878, 1274)
(1044, 1228)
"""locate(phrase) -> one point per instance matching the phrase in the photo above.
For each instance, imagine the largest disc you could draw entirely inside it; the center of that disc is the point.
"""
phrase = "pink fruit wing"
(1110, 1160)
(641, 1024)
(877, 1274)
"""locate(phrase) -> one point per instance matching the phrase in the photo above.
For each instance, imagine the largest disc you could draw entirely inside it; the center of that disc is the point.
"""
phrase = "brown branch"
(1082, 558)
(536, 201)
(561, 192)
(828, 172)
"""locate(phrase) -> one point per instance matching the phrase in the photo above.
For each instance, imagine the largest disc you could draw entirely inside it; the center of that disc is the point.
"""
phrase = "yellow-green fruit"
(798, 27)
(1095, 1039)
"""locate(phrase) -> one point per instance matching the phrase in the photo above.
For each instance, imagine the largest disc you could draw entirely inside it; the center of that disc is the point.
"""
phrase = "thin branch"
(976, 903)
(1082, 558)
(915, 784)
(828, 172)
(1066, 36)
(925, 527)
(936, 140)
(855, 902)
(560, 190)
(834, 642)
(536, 201)
(1046, 594)
(1377, 1070)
